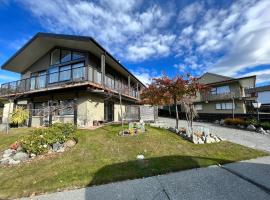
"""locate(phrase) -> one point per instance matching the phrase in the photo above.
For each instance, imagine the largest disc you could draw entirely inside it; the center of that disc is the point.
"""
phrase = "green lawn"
(101, 156)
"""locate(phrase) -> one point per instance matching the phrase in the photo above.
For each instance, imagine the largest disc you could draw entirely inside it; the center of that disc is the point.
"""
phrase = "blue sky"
(152, 37)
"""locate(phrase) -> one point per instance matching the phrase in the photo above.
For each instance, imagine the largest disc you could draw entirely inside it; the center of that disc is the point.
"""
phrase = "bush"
(235, 121)
(19, 116)
(265, 125)
(40, 139)
(252, 121)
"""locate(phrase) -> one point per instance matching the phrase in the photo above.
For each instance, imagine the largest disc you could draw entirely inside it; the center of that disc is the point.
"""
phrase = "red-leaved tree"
(178, 90)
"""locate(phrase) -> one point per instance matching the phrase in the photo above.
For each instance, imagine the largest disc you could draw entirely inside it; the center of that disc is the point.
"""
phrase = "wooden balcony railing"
(65, 77)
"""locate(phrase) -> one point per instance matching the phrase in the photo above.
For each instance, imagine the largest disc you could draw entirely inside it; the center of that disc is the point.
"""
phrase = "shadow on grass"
(150, 167)
(251, 176)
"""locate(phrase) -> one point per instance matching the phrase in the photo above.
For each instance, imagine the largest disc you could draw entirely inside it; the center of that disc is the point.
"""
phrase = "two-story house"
(66, 78)
(225, 95)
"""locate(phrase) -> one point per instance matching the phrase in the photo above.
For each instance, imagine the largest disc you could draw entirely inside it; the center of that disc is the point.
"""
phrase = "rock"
(209, 140)
(69, 144)
(268, 131)
(140, 157)
(251, 127)
(61, 150)
(217, 122)
(32, 155)
(8, 153)
(200, 141)
(216, 139)
(14, 162)
(56, 146)
(5, 161)
(222, 122)
(242, 127)
(21, 156)
(261, 130)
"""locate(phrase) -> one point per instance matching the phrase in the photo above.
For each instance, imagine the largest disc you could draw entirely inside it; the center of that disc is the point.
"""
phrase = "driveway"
(246, 138)
(247, 180)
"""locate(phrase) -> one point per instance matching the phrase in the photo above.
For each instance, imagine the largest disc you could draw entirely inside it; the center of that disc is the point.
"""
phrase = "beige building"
(68, 78)
(225, 94)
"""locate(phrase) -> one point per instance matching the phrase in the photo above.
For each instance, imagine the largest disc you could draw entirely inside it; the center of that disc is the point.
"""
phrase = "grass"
(101, 156)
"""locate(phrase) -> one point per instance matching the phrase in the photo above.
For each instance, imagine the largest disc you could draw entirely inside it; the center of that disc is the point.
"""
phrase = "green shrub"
(235, 121)
(265, 125)
(39, 140)
(252, 121)
(19, 116)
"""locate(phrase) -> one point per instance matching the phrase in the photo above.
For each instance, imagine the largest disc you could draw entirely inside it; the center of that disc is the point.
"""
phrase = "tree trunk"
(176, 112)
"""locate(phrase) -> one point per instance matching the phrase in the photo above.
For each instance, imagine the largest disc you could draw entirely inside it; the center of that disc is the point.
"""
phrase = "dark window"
(53, 75)
(39, 108)
(65, 56)
(66, 107)
(55, 57)
(41, 79)
(77, 55)
(65, 73)
(78, 71)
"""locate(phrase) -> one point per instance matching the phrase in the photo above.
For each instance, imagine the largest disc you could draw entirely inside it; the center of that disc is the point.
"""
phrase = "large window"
(65, 73)
(42, 79)
(78, 71)
(198, 107)
(66, 107)
(62, 55)
(65, 56)
(225, 106)
(221, 90)
(53, 75)
(55, 57)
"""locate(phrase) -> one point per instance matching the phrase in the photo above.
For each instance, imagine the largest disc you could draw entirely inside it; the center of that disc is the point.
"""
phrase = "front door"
(108, 111)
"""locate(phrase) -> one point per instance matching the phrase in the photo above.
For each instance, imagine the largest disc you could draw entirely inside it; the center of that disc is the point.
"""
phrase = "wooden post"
(30, 109)
(128, 85)
(103, 69)
(137, 88)
(50, 112)
(75, 107)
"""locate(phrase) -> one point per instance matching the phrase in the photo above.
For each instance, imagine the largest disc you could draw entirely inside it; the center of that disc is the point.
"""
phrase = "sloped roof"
(208, 78)
(41, 43)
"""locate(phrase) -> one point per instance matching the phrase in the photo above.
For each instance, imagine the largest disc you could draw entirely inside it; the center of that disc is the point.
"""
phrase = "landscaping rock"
(56, 146)
(61, 150)
(8, 153)
(217, 122)
(268, 131)
(222, 122)
(14, 162)
(32, 155)
(69, 144)
(140, 157)
(209, 140)
(251, 127)
(261, 130)
(200, 141)
(21, 156)
(5, 161)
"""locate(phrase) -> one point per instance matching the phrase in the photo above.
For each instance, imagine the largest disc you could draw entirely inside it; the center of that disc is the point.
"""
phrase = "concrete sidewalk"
(241, 180)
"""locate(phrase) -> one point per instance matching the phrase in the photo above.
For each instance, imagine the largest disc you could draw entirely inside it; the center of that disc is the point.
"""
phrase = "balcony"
(216, 97)
(80, 76)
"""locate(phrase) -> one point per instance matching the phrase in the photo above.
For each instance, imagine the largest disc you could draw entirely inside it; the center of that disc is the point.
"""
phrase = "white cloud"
(250, 43)
(117, 25)
(230, 39)
(145, 75)
(190, 12)
(262, 75)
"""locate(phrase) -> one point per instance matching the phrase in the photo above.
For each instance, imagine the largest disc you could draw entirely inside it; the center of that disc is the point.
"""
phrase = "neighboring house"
(67, 78)
(225, 95)
(263, 96)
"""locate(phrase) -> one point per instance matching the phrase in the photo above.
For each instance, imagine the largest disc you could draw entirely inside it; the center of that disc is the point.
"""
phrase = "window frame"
(224, 106)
